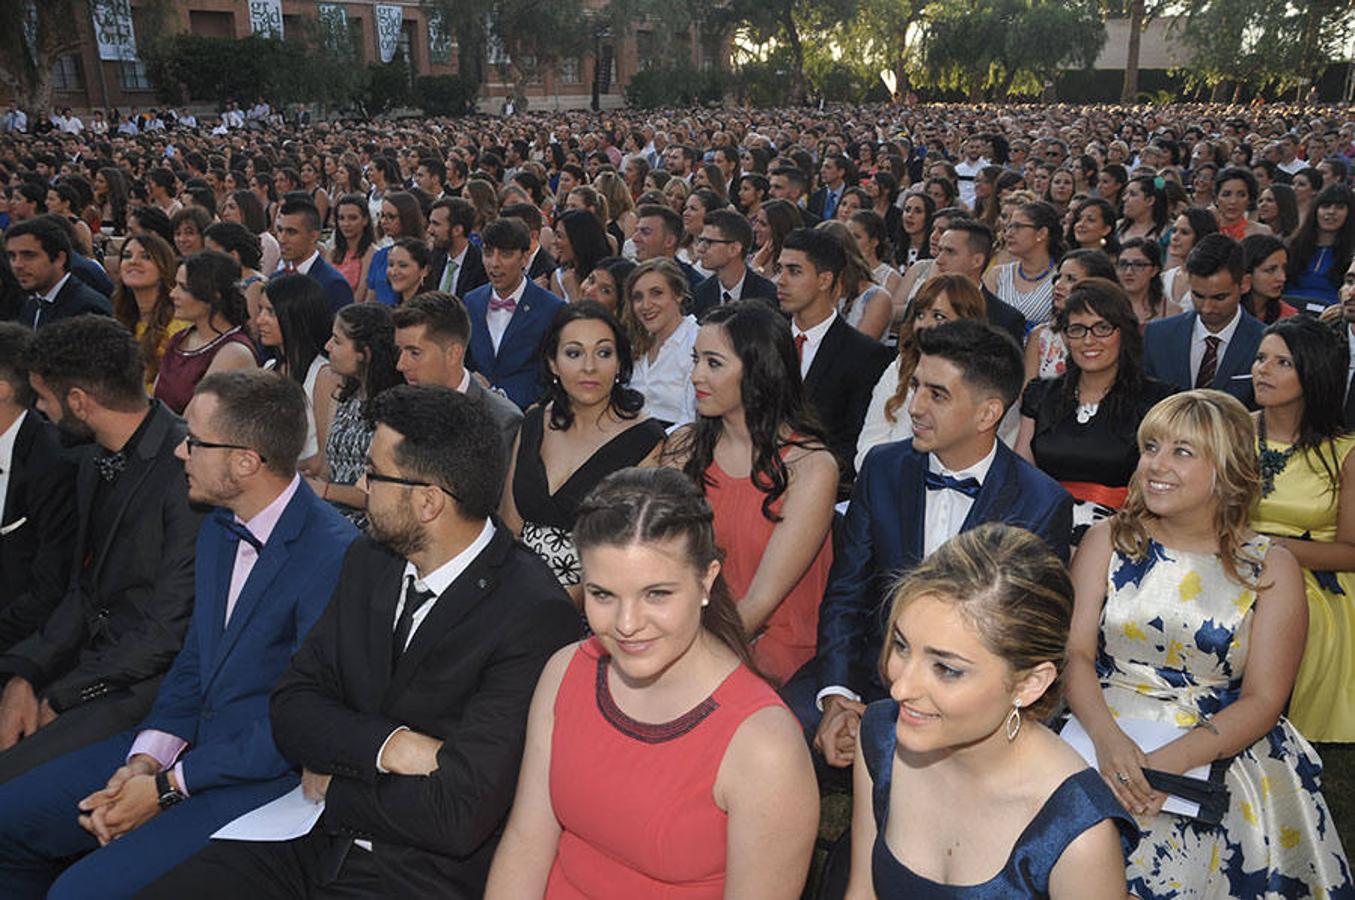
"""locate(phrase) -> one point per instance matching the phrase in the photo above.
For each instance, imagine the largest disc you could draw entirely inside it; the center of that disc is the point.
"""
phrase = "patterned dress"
(350, 435)
(1175, 632)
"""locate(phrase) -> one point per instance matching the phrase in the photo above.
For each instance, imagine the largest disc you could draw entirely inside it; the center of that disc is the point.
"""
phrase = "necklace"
(1085, 411)
(1272, 461)
(1021, 270)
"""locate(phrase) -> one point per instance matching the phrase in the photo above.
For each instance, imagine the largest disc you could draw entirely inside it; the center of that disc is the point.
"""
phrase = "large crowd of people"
(554, 505)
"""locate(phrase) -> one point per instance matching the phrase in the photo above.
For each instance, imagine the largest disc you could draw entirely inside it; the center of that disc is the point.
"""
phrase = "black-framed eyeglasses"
(1126, 265)
(370, 475)
(704, 241)
(1100, 329)
(198, 444)
(1017, 226)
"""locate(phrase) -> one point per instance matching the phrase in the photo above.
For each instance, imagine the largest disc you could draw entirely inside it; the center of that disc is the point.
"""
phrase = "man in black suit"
(839, 364)
(723, 248)
(93, 668)
(39, 254)
(963, 249)
(406, 707)
(37, 500)
(540, 264)
(456, 266)
(657, 232)
(788, 183)
(833, 174)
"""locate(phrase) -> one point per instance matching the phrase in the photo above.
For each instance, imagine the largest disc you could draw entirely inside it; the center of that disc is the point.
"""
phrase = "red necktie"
(1209, 363)
(800, 340)
(290, 267)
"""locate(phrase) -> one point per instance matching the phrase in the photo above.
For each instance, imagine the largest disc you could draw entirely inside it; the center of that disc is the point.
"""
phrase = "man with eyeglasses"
(92, 669)
(406, 707)
(267, 561)
(726, 237)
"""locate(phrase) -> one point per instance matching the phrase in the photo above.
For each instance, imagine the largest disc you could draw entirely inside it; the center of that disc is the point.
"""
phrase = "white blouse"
(667, 381)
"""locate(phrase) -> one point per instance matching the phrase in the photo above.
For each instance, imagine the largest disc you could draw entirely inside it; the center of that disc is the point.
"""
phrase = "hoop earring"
(1013, 724)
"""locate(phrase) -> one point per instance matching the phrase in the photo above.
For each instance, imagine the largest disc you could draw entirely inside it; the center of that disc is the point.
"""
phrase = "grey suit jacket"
(503, 411)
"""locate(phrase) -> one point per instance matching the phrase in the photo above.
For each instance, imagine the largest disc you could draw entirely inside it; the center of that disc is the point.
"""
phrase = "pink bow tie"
(502, 303)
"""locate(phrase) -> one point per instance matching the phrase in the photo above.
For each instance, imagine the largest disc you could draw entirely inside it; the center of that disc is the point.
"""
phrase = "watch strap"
(166, 794)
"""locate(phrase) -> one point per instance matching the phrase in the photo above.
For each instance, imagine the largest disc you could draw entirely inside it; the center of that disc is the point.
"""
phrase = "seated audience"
(656, 292)
(142, 298)
(207, 296)
(295, 323)
(298, 231)
(39, 253)
(1266, 263)
(663, 728)
(1046, 350)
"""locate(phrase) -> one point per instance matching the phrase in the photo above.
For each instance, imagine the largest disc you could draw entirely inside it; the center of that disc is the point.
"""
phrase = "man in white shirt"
(1289, 160)
(968, 167)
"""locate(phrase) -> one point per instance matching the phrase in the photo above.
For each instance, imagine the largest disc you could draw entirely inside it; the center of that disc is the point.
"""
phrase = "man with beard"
(268, 559)
(94, 666)
(406, 707)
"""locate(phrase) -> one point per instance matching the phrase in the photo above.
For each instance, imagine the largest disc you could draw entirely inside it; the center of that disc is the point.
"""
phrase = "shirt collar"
(736, 292)
(815, 334)
(516, 296)
(8, 439)
(1225, 334)
(50, 296)
(266, 519)
(978, 471)
(460, 258)
(465, 381)
(441, 578)
(304, 267)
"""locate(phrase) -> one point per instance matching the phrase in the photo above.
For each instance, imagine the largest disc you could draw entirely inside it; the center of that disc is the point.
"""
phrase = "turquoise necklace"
(1272, 461)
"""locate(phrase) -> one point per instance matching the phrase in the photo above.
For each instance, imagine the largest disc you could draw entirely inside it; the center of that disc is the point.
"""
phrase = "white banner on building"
(389, 20)
(439, 38)
(113, 29)
(265, 18)
(334, 27)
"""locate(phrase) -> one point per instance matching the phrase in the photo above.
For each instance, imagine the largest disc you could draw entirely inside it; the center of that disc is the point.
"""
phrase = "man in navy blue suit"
(726, 238)
(40, 254)
(909, 498)
(1214, 345)
(267, 562)
(298, 234)
(658, 231)
(509, 316)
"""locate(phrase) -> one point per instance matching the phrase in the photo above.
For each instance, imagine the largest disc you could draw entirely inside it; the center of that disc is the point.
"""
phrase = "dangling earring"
(1013, 723)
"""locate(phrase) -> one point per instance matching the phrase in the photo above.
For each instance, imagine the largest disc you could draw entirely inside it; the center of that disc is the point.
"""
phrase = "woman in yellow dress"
(1307, 504)
(147, 266)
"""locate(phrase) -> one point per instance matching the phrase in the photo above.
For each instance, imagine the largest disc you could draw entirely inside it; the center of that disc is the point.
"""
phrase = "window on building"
(67, 74)
(132, 75)
(211, 24)
(405, 49)
(569, 71)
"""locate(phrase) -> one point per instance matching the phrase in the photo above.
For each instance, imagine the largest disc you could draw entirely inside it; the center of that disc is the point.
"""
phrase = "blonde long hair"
(1219, 427)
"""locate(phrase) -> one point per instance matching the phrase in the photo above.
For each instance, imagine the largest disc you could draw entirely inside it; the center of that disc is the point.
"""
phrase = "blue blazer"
(337, 288)
(516, 368)
(882, 538)
(216, 693)
(1166, 354)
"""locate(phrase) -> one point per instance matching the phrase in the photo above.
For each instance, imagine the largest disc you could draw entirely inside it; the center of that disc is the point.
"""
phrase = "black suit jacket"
(467, 678)
(74, 299)
(35, 557)
(838, 387)
(126, 606)
(471, 276)
(755, 287)
(542, 264)
(1005, 316)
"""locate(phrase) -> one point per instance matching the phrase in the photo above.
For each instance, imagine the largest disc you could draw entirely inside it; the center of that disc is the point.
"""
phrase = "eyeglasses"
(1101, 329)
(1126, 265)
(196, 444)
(1017, 226)
(370, 475)
(704, 241)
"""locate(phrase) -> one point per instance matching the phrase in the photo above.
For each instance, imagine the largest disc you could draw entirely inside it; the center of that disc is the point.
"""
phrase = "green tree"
(788, 23)
(1003, 47)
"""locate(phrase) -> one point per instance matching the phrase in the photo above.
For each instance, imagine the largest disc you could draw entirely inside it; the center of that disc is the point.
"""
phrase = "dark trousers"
(39, 831)
(281, 870)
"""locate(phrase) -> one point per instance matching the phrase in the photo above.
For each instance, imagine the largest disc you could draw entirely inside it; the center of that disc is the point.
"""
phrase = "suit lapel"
(18, 467)
(996, 495)
(482, 348)
(1180, 363)
(913, 505)
(1235, 361)
(381, 622)
(139, 466)
(825, 355)
(520, 316)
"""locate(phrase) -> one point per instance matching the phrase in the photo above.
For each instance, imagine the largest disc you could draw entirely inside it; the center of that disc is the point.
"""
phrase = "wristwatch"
(167, 794)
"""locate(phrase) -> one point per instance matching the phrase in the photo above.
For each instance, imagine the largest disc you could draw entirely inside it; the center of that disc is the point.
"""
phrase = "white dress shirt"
(667, 381)
(814, 338)
(46, 299)
(947, 509)
(303, 267)
(7, 457)
(1197, 343)
(497, 319)
(736, 292)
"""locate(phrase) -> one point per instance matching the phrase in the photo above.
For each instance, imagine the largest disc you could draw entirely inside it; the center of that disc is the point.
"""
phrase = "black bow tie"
(110, 465)
(238, 531)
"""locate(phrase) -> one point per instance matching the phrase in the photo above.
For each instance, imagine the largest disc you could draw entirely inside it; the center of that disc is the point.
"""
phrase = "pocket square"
(13, 526)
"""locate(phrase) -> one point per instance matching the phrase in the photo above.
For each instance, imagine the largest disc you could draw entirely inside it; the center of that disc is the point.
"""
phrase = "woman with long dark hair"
(1321, 250)
(1080, 428)
(656, 725)
(752, 193)
(354, 243)
(1235, 194)
(1092, 227)
(1278, 210)
(1046, 351)
(401, 217)
(915, 229)
(141, 298)
(235, 240)
(1305, 503)
(580, 243)
(110, 196)
(295, 321)
(771, 224)
(207, 296)
(1267, 261)
(362, 353)
(764, 464)
(1144, 205)
(243, 207)
(588, 424)
(1110, 184)
(1139, 269)
(1035, 241)
(407, 262)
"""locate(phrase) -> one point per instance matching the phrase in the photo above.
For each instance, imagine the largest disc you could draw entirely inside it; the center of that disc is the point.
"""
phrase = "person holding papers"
(1186, 618)
(267, 560)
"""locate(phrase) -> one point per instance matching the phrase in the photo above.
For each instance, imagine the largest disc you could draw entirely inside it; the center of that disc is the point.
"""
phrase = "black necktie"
(239, 531)
(415, 600)
(110, 464)
(725, 298)
(970, 487)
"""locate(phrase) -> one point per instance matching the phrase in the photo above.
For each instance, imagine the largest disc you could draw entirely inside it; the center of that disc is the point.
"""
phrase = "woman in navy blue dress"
(959, 790)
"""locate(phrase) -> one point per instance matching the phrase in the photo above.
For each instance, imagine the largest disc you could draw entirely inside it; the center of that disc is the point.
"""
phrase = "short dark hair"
(443, 316)
(732, 226)
(236, 238)
(978, 235)
(50, 236)
(461, 211)
(507, 234)
(987, 357)
(447, 440)
(302, 208)
(672, 222)
(263, 410)
(14, 341)
(1214, 253)
(435, 167)
(825, 252)
(529, 214)
(793, 174)
(94, 353)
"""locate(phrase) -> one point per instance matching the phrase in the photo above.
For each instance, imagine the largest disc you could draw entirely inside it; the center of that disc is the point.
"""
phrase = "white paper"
(290, 816)
(1149, 735)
